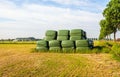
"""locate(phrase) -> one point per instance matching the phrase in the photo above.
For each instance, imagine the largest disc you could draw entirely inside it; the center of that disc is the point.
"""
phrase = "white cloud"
(83, 4)
(34, 20)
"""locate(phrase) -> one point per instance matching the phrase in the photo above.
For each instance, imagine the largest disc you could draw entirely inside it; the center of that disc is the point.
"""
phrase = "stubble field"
(16, 60)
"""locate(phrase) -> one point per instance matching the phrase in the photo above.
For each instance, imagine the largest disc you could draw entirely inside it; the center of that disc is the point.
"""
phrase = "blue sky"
(26, 18)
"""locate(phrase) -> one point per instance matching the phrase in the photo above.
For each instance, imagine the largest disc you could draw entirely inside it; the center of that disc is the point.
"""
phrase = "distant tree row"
(98, 39)
(111, 23)
(6, 39)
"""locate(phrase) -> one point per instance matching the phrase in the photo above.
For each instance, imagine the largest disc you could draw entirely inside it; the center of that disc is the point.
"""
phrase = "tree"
(106, 29)
(112, 17)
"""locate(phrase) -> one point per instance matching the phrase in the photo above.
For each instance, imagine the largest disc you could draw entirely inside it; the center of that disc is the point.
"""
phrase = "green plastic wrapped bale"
(67, 43)
(55, 49)
(68, 50)
(51, 33)
(82, 43)
(74, 38)
(63, 33)
(82, 49)
(48, 38)
(42, 43)
(54, 43)
(76, 32)
(61, 38)
(41, 49)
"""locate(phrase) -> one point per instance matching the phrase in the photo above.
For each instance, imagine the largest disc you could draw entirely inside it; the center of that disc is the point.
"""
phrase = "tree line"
(111, 22)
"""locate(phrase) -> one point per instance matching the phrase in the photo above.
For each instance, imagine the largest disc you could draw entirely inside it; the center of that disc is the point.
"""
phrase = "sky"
(31, 18)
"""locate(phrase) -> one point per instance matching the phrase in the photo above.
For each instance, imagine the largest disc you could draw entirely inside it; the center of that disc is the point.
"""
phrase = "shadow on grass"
(101, 49)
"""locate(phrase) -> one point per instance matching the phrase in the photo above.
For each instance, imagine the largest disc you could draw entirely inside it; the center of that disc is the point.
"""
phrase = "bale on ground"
(81, 43)
(54, 43)
(51, 33)
(55, 49)
(61, 38)
(67, 43)
(76, 32)
(63, 33)
(42, 43)
(74, 38)
(41, 48)
(68, 50)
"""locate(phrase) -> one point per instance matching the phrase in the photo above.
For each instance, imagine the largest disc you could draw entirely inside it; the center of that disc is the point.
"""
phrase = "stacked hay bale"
(65, 40)
(42, 45)
(55, 45)
(63, 35)
(50, 35)
(77, 34)
(82, 45)
(68, 46)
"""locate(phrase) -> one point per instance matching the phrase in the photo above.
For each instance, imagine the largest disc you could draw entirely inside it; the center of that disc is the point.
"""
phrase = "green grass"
(109, 47)
(16, 60)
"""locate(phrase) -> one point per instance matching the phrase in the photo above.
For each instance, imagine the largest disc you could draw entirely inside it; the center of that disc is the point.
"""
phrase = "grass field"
(16, 60)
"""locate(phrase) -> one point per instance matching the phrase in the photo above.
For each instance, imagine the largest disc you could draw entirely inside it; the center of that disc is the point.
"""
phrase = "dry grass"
(16, 60)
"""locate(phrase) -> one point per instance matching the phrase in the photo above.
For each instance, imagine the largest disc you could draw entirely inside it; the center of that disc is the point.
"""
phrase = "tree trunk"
(115, 36)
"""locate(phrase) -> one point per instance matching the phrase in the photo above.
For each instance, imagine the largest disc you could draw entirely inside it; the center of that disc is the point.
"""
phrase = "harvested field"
(16, 60)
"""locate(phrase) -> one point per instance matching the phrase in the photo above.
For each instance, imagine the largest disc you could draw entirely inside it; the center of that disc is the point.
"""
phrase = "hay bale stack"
(63, 35)
(55, 45)
(68, 46)
(50, 35)
(42, 45)
(64, 40)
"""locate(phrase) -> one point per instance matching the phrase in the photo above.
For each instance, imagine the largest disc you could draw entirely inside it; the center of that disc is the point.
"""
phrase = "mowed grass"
(16, 60)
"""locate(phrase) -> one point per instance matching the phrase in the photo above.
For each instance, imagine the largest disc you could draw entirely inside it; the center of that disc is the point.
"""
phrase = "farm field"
(16, 60)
